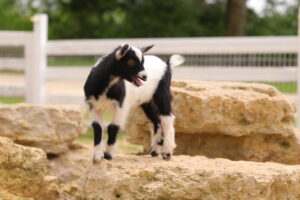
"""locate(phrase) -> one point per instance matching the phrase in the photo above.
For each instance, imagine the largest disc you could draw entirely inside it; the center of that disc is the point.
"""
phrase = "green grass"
(11, 72)
(54, 62)
(288, 87)
(11, 100)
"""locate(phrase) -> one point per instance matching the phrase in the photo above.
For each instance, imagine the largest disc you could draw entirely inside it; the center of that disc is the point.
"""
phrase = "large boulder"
(71, 165)
(23, 172)
(7, 196)
(239, 121)
(49, 127)
(185, 177)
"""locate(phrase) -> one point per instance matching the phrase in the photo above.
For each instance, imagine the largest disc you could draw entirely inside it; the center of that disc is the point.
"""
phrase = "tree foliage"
(141, 18)
(13, 16)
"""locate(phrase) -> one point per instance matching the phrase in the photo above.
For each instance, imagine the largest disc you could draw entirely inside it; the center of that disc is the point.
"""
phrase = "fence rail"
(211, 45)
(15, 38)
(16, 64)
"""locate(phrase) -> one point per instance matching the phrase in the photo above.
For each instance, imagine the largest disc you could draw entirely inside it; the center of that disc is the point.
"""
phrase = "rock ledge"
(185, 177)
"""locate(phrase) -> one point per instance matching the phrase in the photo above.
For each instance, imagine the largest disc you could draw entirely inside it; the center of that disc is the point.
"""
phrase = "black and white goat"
(125, 79)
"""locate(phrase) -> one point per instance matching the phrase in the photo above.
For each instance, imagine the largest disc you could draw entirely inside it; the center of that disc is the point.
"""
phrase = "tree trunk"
(236, 17)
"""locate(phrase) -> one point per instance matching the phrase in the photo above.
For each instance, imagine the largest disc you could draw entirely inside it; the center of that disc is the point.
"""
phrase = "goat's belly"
(103, 103)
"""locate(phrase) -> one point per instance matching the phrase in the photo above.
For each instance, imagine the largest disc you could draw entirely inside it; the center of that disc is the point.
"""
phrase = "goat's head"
(130, 63)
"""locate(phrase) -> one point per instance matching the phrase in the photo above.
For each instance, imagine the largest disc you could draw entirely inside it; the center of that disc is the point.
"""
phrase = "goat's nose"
(143, 75)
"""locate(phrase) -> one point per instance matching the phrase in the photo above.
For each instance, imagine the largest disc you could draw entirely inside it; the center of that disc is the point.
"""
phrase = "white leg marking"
(98, 153)
(155, 139)
(111, 149)
(167, 123)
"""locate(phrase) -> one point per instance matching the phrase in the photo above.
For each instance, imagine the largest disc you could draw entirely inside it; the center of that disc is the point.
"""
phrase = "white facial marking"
(138, 53)
(142, 73)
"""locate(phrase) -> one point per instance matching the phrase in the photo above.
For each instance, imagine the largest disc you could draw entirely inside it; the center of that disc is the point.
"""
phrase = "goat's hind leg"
(163, 100)
(157, 140)
(167, 123)
(152, 113)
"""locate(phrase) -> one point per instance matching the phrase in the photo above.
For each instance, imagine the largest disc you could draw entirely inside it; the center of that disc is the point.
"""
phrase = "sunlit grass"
(11, 100)
(11, 72)
(73, 62)
(288, 87)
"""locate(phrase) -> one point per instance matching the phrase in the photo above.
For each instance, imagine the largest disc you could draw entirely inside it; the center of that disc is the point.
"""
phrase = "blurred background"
(201, 25)
(237, 38)
(153, 18)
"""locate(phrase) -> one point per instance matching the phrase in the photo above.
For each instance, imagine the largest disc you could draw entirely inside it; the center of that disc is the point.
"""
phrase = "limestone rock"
(23, 172)
(232, 120)
(22, 169)
(71, 165)
(235, 109)
(185, 177)
(50, 189)
(50, 127)
(7, 196)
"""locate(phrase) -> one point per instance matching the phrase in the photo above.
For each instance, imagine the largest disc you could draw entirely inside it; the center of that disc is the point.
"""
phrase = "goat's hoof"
(107, 156)
(97, 159)
(166, 156)
(154, 153)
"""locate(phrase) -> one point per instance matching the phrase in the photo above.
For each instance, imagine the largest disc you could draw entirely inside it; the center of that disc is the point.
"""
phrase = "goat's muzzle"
(140, 76)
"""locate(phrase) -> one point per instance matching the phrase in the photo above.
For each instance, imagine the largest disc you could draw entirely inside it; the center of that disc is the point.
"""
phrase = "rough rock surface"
(50, 127)
(23, 172)
(230, 120)
(7, 196)
(235, 109)
(185, 177)
(71, 165)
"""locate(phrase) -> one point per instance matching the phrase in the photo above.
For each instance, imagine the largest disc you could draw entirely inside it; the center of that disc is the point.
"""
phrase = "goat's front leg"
(113, 129)
(97, 117)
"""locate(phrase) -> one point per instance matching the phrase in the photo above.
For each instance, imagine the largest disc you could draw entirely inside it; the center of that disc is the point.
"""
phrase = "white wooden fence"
(37, 49)
(240, 45)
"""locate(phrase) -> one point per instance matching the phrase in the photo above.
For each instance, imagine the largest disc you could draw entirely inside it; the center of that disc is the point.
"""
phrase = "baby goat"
(125, 79)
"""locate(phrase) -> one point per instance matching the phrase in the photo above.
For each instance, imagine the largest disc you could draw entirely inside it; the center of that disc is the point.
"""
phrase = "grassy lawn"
(289, 87)
(11, 100)
(76, 61)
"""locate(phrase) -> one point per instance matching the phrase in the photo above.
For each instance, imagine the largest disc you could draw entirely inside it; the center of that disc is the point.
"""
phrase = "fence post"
(298, 73)
(35, 69)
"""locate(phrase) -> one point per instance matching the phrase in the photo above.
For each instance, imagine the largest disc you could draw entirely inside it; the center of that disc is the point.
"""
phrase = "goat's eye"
(131, 63)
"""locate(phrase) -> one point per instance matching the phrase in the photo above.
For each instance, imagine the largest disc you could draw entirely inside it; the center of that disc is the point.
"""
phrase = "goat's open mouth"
(137, 80)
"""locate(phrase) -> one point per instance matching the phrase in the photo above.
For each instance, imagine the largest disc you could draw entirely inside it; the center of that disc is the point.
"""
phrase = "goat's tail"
(176, 60)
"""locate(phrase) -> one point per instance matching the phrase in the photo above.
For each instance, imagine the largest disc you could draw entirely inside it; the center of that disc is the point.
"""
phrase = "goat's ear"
(122, 51)
(145, 49)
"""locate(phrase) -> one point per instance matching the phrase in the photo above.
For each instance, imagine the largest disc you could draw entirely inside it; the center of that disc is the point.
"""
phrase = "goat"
(125, 79)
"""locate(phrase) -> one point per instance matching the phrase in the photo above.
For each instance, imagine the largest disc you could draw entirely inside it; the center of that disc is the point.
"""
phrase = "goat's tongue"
(137, 81)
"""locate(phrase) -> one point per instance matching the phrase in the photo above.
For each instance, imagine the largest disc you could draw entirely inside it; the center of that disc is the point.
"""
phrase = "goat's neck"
(113, 80)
